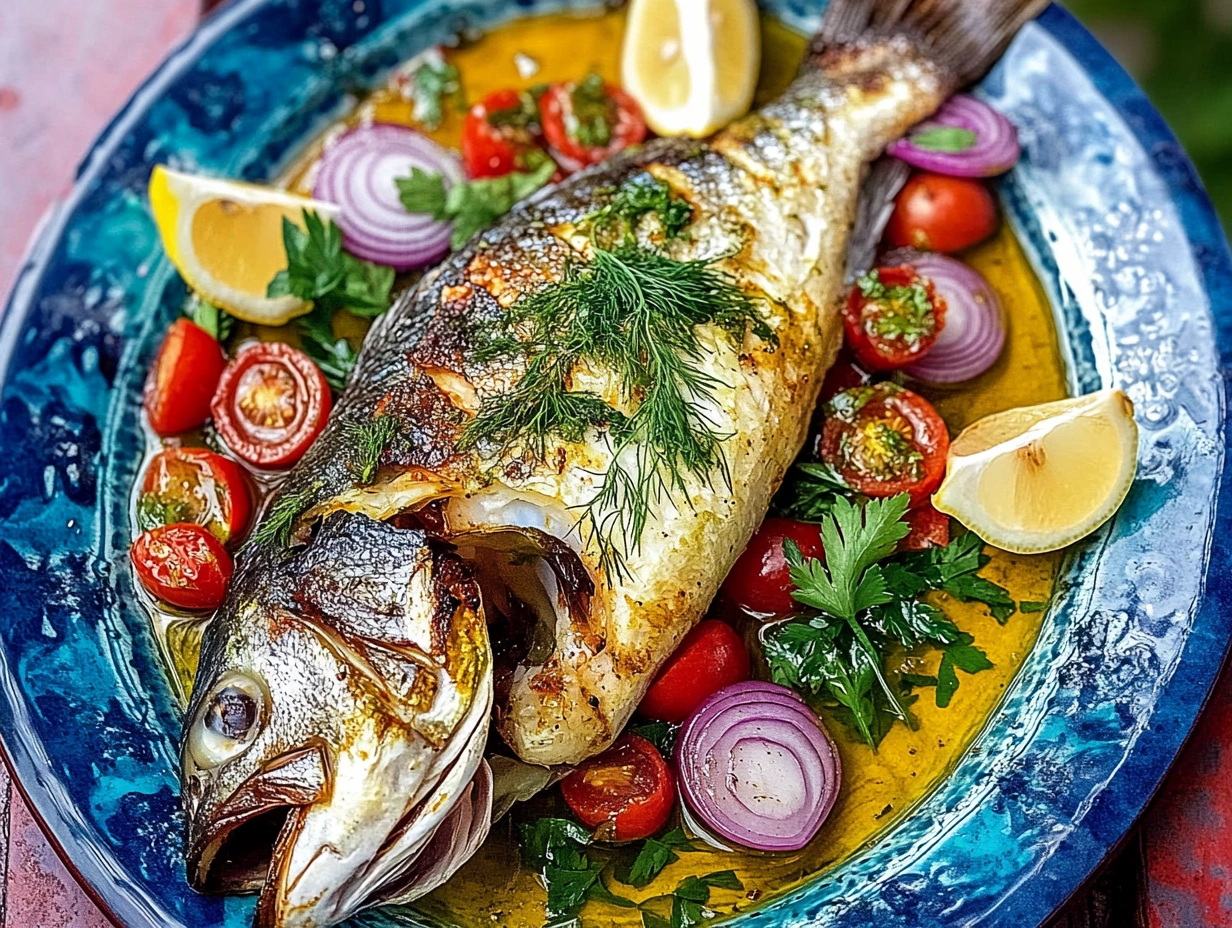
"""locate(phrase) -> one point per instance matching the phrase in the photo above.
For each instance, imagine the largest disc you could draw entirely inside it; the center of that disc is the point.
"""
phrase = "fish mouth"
(238, 846)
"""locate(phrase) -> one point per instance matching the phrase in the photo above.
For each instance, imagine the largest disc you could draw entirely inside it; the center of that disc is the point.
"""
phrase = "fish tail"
(963, 38)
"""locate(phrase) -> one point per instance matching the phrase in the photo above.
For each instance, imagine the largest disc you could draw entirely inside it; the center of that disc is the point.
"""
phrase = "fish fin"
(885, 179)
(963, 37)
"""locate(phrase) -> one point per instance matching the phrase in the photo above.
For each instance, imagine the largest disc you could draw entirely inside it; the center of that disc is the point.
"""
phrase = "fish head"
(332, 755)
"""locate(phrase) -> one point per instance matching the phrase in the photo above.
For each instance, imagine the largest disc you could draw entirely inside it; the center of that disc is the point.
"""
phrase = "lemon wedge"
(1039, 478)
(225, 239)
(691, 64)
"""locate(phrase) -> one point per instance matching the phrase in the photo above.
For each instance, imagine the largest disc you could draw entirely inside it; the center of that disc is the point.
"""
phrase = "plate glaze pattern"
(1122, 235)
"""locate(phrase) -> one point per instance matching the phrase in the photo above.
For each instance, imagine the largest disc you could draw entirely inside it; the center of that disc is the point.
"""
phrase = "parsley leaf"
(334, 356)
(435, 81)
(545, 839)
(650, 920)
(948, 139)
(954, 569)
(320, 272)
(809, 492)
(654, 856)
(947, 682)
(964, 656)
(472, 205)
(1028, 606)
(661, 734)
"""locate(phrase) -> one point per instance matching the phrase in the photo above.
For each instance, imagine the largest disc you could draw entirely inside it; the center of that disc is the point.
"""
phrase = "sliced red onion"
(991, 141)
(757, 767)
(358, 172)
(974, 331)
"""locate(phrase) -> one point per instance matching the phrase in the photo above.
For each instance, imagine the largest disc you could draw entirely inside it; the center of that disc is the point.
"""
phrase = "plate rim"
(119, 900)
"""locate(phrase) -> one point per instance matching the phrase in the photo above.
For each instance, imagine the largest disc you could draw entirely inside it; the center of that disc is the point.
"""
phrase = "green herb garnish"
(435, 82)
(654, 856)
(955, 568)
(209, 317)
(334, 356)
(661, 734)
(589, 123)
(522, 115)
(153, 511)
(276, 528)
(904, 313)
(947, 139)
(320, 272)
(1028, 606)
(636, 313)
(809, 491)
(473, 205)
(368, 441)
(638, 196)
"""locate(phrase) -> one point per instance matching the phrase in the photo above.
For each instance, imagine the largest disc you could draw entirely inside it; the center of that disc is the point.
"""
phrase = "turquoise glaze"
(1116, 223)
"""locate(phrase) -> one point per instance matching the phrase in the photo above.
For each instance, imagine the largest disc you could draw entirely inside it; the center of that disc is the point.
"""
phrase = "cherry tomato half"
(195, 485)
(271, 404)
(626, 793)
(892, 317)
(500, 134)
(844, 374)
(710, 657)
(885, 440)
(182, 379)
(182, 564)
(761, 580)
(588, 121)
(938, 213)
(929, 529)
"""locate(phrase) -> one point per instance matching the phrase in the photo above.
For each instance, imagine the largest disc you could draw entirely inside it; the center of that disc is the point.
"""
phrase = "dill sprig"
(635, 312)
(368, 441)
(276, 527)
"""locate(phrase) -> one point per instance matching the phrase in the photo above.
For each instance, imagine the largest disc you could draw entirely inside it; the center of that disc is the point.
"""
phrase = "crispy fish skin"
(365, 644)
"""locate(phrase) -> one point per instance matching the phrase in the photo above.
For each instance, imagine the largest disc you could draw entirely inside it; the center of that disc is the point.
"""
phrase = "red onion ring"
(357, 172)
(994, 151)
(757, 767)
(974, 331)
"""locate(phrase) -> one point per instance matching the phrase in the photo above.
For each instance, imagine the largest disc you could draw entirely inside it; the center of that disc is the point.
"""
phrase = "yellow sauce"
(878, 787)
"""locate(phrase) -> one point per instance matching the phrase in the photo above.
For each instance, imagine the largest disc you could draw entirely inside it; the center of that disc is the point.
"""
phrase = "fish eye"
(229, 721)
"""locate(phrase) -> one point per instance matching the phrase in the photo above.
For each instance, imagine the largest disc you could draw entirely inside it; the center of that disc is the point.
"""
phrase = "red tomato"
(182, 564)
(182, 379)
(195, 485)
(626, 793)
(844, 374)
(710, 657)
(271, 404)
(938, 213)
(588, 121)
(929, 529)
(885, 440)
(892, 317)
(499, 133)
(761, 580)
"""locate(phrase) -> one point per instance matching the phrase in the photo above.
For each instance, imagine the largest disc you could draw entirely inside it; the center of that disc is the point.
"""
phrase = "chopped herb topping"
(590, 122)
(900, 313)
(881, 448)
(435, 81)
(948, 139)
(473, 205)
(638, 196)
(524, 115)
(863, 602)
(635, 312)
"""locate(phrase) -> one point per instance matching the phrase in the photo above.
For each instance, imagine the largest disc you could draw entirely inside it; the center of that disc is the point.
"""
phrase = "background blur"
(1181, 53)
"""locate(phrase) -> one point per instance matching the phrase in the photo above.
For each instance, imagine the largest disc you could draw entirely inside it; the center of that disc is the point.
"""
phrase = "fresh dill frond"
(368, 441)
(275, 529)
(635, 312)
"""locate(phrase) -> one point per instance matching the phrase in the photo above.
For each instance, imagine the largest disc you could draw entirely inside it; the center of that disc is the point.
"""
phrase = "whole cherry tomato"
(710, 657)
(884, 440)
(501, 134)
(182, 564)
(929, 529)
(938, 213)
(760, 582)
(182, 379)
(271, 404)
(626, 793)
(588, 121)
(892, 317)
(195, 485)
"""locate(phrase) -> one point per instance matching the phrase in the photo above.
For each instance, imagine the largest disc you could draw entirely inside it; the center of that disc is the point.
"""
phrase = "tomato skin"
(195, 485)
(710, 657)
(886, 408)
(271, 404)
(760, 581)
(496, 150)
(182, 564)
(627, 792)
(844, 374)
(929, 529)
(627, 126)
(182, 379)
(938, 213)
(862, 314)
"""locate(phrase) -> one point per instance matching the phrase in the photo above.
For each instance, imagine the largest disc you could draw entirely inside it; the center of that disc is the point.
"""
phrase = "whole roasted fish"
(487, 520)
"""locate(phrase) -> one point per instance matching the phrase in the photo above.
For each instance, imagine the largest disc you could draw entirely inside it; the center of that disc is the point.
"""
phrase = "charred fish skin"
(338, 719)
(342, 701)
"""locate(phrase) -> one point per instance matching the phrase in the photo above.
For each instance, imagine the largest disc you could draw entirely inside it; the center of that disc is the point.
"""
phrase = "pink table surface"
(65, 67)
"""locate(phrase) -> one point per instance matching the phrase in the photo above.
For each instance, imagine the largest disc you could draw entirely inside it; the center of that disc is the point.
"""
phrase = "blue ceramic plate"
(1119, 229)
